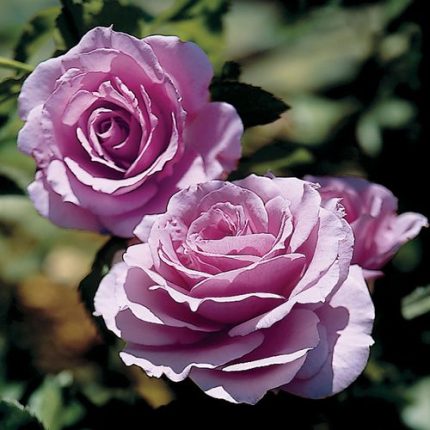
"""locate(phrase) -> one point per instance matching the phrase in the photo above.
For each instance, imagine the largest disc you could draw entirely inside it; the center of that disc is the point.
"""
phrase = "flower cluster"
(243, 286)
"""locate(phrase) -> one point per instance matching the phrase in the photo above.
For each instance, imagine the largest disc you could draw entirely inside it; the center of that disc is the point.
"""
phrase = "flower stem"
(15, 65)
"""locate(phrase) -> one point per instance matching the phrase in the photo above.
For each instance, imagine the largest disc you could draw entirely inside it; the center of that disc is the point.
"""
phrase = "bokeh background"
(354, 75)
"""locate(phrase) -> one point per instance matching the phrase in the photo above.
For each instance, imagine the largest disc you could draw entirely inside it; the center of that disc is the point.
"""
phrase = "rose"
(371, 210)
(244, 287)
(117, 125)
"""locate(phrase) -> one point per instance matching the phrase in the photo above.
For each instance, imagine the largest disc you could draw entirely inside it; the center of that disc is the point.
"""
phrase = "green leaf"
(369, 135)
(102, 263)
(254, 105)
(35, 32)
(417, 303)
(230, 71)
(417, 413)
(9, 91)
(394, 113)
(10, 87)
(212, 10)
(14, 416)
(47, 403)
(199, 21)
(79, 16)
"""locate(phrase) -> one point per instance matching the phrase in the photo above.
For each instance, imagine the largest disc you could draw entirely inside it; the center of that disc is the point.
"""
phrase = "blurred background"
(354, 76)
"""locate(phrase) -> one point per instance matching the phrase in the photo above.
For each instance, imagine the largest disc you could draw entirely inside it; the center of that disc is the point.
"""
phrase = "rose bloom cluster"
(245, 286)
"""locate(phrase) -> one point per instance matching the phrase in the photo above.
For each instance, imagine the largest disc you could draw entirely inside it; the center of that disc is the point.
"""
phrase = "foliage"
(14, 416)
(254, 105)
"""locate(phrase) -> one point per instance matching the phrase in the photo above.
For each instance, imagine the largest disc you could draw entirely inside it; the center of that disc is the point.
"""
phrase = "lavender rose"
(117, 125)
(244, 287)
(371, 210)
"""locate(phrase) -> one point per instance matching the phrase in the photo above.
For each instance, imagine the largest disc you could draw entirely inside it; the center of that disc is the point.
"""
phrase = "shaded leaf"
(14, 416)
(417, 303)
(199, 21)
(394, 113)
(211, 10)
(79, 16)
(35, 32)
(230, 71)
(417, 414)
(254, 105)
(369, 135)
(47, 403)
(9, 90)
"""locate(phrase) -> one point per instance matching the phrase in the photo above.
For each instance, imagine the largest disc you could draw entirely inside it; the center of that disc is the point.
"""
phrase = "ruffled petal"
(176, 362)
(187, 66)
(215, 133)
(65, 214)
(348, 319)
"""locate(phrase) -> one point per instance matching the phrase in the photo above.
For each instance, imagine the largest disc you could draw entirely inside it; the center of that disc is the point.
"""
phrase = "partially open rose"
(371, 210)
(244, 287)
(117, 125)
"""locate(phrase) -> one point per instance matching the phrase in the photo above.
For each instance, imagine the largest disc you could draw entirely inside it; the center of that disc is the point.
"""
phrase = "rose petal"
(137, 331)
(187, 66)
(275, 361)
(110, 297)
(50, 205)
(215, 133)
(333, 245)
(277, 275)
(348, 319)
(39, 86)
(105, 37)
(176, 362)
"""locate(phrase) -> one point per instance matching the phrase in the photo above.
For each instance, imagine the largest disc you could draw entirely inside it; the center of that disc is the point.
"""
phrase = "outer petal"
(187, 66)
(177, 361)
(30, 137)
(409, 224)
(137, 331)
(333, 246)
(348, 319)
(247, 387)
(65, 214)
(110, 297)
(402, 228)
(105, 37)
(270, 365)
(216, 134)
(39, 86)
(265, 187)
(122, 225)
(41, 83)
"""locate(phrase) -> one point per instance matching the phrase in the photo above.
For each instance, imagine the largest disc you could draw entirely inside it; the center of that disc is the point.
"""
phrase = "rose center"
(113, 135)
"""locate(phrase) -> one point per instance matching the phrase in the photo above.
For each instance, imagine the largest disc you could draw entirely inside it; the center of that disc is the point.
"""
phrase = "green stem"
(15, 65)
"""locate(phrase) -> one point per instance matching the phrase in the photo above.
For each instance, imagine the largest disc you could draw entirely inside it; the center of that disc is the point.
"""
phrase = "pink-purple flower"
(117, 125)
(371, 210)
(244, 287)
